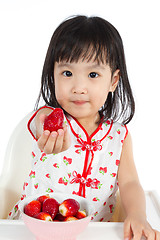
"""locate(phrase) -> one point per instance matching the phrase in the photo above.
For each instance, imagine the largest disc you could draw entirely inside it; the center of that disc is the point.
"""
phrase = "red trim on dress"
(82, 186)
(84, 130)
(126, 131)
(85, 170)
(88, 137)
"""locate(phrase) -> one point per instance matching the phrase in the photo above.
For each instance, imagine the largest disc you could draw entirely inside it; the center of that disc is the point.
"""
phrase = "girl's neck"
(90, 125)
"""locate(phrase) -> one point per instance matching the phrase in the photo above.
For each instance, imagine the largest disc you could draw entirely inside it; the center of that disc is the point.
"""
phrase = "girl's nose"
(79, 90)
(79, 87)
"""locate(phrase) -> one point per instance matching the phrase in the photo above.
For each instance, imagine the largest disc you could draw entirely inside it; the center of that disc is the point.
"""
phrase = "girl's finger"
(43, 139)
(49, 146)
(127, 231)
(59, 141)
(136, 231)
(137, 235)
(149, 234)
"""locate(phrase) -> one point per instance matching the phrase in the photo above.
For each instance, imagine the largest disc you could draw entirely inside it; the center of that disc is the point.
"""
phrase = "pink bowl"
(57, 230)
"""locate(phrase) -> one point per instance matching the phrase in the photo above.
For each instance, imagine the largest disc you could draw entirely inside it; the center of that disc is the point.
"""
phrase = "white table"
(16, 230)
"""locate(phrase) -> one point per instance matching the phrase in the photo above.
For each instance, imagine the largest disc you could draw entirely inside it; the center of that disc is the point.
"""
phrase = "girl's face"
(82, 87)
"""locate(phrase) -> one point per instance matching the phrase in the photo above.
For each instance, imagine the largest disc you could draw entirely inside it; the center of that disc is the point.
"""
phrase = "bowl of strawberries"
(56, 215)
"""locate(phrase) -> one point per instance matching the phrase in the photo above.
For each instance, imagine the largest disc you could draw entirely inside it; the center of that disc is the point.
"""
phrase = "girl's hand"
(53, 142)
(136, 227)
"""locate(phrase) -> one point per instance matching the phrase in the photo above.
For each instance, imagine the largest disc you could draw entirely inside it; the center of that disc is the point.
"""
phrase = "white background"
(25, 31)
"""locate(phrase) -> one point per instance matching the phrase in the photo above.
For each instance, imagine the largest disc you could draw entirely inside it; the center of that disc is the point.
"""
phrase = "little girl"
(85, 74)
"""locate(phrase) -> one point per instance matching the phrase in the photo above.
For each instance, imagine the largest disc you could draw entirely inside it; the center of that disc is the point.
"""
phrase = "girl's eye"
(93, 75)
(67, 73)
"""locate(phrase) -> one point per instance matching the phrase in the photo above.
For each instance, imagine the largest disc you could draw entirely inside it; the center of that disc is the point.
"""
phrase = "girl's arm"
(50, 142)
(133, 197)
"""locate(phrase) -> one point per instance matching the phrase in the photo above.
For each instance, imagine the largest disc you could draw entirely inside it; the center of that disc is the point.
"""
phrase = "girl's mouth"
(79, 102)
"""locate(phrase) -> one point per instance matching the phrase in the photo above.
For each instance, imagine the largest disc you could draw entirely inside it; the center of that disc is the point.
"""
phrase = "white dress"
(88, 168)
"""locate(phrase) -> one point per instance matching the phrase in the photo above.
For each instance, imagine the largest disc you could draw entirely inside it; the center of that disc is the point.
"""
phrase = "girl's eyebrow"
(97, 66)
(61, 65)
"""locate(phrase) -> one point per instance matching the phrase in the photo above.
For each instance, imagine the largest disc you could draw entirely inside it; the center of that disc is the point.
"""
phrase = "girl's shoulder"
(116, 128)
(114, 124)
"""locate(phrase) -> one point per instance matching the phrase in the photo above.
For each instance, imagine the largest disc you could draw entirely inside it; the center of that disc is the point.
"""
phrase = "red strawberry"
(78, 151)
(95, 199)
(16, 208)
(25, 185)
(117, 162)
(63, 181)
(60, 180)
(110, 137)
(42, 198)
(56, 165)
(111, 187)
(111, 207)
(54, 120)
(108, 122)
(36, 185)
(43, 157)
(113, 174)
(67, 160)
(80, 214)
(49, 190)
(76, 193)
(69, 175)
(43, 216)
(32, 174)
(118, 131)
(50, 206)
(48, 175)
(32, 208)
(69, 207)
(110, 153)
(23, 196)
(70, 218)
(59, 217)
(33, 154)
(103, 170)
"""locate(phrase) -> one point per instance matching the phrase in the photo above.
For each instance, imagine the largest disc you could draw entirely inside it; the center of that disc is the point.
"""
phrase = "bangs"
(89, 51)
(86, 39)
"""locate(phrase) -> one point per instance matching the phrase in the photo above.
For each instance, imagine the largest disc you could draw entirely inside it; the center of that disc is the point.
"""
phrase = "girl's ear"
(115, 80)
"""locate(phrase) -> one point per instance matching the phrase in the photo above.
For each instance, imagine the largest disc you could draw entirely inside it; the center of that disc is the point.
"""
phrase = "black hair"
(87, 38)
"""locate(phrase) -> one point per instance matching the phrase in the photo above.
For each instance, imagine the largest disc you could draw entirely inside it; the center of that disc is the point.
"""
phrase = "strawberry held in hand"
(54, 120)
(69, 207)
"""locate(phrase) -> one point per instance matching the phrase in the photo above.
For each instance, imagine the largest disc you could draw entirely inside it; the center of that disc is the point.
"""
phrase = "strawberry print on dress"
(88, 168)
